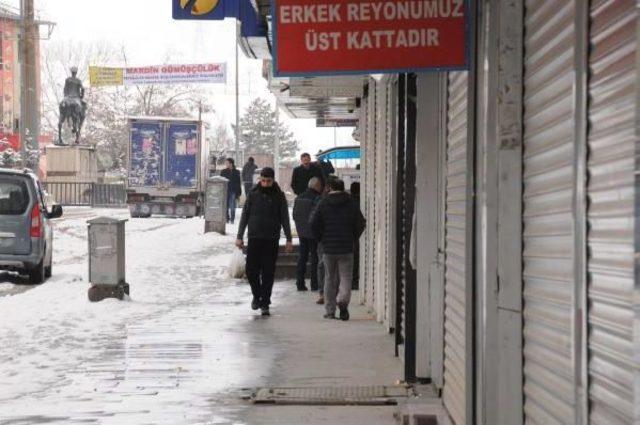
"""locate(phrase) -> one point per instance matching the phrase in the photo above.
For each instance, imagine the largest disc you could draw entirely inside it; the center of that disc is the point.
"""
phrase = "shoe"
(344, 313)
(329, 316)
(255, 304)
(302, 288)
(320, 301)
(265, 311)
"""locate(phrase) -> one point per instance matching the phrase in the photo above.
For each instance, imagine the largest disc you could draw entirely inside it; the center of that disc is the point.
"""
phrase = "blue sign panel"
(251, 26)
(208, 10)
(182, 155)
(146, 154)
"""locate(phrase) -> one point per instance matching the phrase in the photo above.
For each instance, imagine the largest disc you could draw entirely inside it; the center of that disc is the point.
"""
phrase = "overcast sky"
(147, 31)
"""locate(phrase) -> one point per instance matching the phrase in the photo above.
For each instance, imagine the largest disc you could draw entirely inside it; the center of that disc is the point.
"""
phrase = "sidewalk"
(185, 348)
(315, 352)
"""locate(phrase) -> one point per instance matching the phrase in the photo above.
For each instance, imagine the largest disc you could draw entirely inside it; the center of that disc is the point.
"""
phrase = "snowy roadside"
(72, 359)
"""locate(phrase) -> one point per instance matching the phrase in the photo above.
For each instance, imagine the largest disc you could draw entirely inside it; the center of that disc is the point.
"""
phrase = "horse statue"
(73, 108)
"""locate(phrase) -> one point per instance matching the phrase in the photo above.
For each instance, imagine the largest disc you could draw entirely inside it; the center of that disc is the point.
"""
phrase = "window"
(14, 197)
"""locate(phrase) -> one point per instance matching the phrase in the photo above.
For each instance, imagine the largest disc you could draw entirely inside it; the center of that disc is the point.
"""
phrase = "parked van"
(26, 234)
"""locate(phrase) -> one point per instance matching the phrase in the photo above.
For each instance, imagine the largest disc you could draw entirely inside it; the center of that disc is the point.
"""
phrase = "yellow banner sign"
(102, 77)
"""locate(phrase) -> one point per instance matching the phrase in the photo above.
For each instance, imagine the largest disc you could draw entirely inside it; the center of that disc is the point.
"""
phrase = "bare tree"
(109, 107)
(221, 139)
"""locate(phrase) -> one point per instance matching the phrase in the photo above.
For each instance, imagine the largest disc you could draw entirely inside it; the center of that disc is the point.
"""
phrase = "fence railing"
(82, 194)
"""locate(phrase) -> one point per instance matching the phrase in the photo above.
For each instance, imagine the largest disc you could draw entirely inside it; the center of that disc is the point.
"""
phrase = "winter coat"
(302, 209)
(301, 176)
(337, 223)
(233, 175)
(247, 172)
(265, 212)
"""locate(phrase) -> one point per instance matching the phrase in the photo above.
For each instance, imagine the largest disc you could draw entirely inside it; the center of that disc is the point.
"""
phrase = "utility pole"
(29, 102)
(238, 159)
(276, 144)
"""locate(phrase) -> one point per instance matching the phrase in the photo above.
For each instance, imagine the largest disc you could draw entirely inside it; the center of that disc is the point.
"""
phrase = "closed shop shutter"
(548, 238)
(612, 140)
(456, 373)
(371, 195)
(364, 199)
(381, 198)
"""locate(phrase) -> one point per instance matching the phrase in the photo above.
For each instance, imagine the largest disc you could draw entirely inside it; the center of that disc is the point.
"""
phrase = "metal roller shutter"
(381, 199)
(548, 238)
(612, 139)
(371, 195)
(456, 376)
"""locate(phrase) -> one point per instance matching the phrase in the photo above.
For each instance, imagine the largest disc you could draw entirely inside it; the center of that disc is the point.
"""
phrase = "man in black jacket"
(337, 224)
(303, 173)
(234, 188)
(247, 175)
(302, 209)
(265, 212)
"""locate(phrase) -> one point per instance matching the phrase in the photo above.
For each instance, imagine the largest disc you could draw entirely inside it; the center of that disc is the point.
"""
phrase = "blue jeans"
(231, 207)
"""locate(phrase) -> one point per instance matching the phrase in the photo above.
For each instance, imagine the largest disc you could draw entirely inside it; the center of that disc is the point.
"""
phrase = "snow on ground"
(157, 358)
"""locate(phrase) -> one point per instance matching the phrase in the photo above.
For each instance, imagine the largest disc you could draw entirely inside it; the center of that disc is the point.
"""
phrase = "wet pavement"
(184, 350)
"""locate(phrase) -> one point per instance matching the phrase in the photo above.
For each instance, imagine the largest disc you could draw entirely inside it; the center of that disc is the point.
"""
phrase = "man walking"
(265, 213)
(303, 173)
(247, 175)
(321, 269)
(337, 224)
(302, 209)
(234, 188)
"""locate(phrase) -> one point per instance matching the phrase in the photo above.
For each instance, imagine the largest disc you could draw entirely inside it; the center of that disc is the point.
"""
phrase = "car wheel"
(37, 273)
(48, 270)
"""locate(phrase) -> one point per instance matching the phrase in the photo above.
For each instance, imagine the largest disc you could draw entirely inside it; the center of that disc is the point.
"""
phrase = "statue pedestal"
(71, 164)
(70, 173)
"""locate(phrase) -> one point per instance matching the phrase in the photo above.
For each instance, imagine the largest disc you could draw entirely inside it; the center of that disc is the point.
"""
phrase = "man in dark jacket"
(247, 175)
(234, 190)
(303, 173)
(265, 213)
(337, 224)
(302, 209)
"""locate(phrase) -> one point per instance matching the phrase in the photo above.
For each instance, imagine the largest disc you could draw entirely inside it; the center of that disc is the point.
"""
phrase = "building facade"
(502, 206)
(11, 78)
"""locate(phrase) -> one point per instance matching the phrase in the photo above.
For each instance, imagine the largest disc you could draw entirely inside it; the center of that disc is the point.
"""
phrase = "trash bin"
(215, 213)
(107, 258)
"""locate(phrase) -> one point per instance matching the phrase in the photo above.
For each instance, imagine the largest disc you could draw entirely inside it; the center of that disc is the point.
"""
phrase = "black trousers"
(308, 247)
(261, 268)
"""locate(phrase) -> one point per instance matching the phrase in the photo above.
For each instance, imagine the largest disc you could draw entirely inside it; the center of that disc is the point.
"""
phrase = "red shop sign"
(331, 37)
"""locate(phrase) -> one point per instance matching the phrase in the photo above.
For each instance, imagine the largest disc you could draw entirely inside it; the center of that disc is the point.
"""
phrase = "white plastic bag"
(237, 264)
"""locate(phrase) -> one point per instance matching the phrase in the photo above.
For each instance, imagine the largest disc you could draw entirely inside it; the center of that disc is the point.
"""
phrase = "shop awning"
(341, 152)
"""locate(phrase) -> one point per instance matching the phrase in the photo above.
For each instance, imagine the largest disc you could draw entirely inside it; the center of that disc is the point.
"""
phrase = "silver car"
(26, 234)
